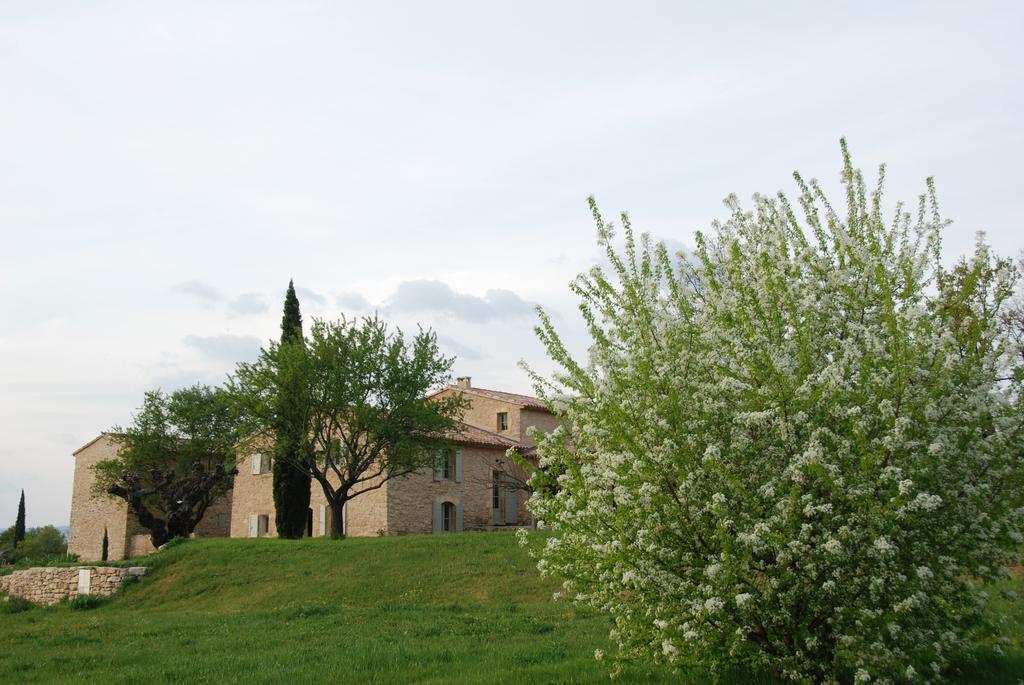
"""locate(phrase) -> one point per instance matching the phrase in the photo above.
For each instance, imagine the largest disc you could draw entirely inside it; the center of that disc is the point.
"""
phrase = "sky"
(166, 168)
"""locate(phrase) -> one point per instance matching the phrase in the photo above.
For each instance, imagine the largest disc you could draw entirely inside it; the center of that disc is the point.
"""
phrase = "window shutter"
(439, 466)
(323, 520)
(511, 505)
(344, 518)
(438, 520)
(254, 523)
(257, 463)
(458, 466)
(496, 492)
(458, 517)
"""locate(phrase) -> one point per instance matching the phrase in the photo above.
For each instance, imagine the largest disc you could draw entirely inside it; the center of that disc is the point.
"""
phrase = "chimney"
(463, 382)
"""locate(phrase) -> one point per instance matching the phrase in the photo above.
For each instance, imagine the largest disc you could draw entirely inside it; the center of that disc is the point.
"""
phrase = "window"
(447, 517)
(447, 468)
(448, 465)
(502, 420)
(448, 520)
(261, 463)
(496, 491)
(222, 520)
(504, 499)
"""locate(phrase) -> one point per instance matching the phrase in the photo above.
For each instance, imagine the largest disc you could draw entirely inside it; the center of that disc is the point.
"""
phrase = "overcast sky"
(165, 168)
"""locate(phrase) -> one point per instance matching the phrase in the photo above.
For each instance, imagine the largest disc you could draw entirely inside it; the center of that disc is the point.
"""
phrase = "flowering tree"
(799, 449)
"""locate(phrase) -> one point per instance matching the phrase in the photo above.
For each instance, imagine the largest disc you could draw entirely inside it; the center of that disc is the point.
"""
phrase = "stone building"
(474, 487)
(92, 514)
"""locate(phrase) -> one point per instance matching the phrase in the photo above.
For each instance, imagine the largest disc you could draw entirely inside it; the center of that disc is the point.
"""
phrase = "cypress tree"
(291, 321)
(106, 545)
(19, 523)
(291, 486)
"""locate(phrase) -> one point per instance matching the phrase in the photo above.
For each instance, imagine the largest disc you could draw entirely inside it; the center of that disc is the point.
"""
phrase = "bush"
(86, 602)
(14, 605)
(796, 450)
(42, 543)
(173, 542)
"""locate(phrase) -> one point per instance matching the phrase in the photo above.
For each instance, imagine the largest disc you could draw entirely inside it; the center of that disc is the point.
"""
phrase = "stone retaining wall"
(49, 585)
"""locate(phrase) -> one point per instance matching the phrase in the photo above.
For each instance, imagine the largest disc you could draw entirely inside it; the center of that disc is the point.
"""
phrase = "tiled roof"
(471, 435)
(525, 401)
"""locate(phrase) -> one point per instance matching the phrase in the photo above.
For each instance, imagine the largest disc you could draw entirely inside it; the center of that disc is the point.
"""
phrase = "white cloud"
(198, 289)
(310, 297)
(246, 304)
(438, 297)
(225, 347)
(461, 350)
(352, 301)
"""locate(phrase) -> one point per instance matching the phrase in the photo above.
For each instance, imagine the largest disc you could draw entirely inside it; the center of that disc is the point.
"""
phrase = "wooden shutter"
(496, 506)
(458, 518)
(323, 520)
(439, 466)
(458, 466)
(257, 463)
(254, 523)
(438, 518)
(511, 505)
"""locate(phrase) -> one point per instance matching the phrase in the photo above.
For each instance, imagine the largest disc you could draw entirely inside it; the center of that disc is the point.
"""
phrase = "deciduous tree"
(362, 393)
(176, 459)
(41, 543)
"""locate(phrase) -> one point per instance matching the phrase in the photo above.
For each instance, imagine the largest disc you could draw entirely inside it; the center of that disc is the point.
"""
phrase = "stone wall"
(411, 498)
(49, 585)
(543, 421)
(482, 412)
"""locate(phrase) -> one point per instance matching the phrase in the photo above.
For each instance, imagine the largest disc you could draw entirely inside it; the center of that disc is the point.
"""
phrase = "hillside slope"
(459, 608)
(419, 609)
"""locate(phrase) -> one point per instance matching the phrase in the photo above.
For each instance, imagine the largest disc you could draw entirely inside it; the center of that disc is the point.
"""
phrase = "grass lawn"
(430, 609)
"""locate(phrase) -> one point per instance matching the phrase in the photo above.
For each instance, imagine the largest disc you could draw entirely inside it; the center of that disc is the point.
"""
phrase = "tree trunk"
(338, 517)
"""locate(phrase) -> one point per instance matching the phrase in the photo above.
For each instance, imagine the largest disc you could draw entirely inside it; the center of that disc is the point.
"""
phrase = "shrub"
(174, 542)
(48, 560)
(86, 602)
(40, 543)
(797, 450)
(14, 605)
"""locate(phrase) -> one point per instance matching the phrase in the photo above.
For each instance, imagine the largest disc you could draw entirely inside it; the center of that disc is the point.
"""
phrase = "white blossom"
(833, 546)
(789, 428)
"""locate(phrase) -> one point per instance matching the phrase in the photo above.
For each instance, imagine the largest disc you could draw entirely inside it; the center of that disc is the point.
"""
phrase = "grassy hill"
(432, 609)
